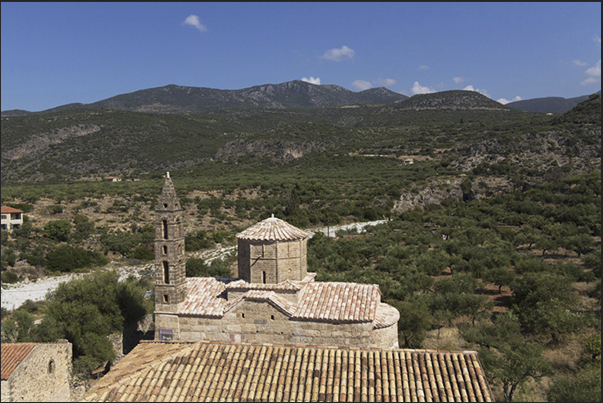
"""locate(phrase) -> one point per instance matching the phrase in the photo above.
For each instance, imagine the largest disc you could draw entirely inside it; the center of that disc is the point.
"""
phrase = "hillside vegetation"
(493, 228)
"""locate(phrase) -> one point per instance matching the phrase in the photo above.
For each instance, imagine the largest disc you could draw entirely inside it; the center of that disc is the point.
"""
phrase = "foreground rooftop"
(220, 371)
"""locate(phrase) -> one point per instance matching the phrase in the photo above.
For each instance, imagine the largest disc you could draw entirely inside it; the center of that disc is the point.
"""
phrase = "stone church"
(274, 300)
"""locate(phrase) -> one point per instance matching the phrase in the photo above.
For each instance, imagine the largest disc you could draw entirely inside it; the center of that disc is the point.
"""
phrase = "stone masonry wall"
(261, 322)
(279, 260)
(43, 376)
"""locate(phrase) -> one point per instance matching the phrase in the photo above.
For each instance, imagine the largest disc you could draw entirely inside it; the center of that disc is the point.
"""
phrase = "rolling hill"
(86, 143)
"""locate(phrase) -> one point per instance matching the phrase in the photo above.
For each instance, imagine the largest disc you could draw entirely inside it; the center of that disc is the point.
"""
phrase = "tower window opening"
(165, 249)
(264, 277)
(165, 229)
(166, 273)
(166, 299)
(165, 205)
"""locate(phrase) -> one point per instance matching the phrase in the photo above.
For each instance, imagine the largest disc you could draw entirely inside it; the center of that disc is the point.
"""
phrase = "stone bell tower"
(170, 272)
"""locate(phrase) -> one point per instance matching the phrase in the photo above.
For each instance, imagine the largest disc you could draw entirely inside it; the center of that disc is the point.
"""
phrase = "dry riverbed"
(13, 295)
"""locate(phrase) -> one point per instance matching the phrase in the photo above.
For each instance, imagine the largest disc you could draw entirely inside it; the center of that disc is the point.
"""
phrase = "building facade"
(274, 300)
(12, 218)
(36, 372)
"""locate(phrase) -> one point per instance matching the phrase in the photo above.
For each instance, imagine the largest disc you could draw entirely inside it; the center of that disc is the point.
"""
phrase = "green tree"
(415, 320)
(58, 230)
(585, 386)
(505, 354)
(542, 301)
(83, 228)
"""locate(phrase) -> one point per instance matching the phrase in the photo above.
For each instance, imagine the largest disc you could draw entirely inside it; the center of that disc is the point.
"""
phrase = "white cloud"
(423, 67)
(312, 80)
(597, 39)
(193, 20)
(458, 80)
(470, 88)
(418, 89)
(361, 85)
(504, 101)
(338, 55)
(594, 74)
(385, 82)
(579, 63)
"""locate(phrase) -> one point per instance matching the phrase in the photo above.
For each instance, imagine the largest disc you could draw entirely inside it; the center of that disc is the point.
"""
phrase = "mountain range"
(295, 94)
(76, 143)
(178, 99)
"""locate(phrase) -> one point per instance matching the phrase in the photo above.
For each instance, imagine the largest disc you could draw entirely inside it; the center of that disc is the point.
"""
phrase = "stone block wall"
(272, 262)
(261, 322)
(43, 376)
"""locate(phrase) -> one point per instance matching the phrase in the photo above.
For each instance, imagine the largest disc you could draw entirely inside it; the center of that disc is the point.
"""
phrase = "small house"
(11, 218)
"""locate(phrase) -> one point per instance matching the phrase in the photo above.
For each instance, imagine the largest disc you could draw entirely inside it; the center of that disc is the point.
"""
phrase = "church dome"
(273, 229)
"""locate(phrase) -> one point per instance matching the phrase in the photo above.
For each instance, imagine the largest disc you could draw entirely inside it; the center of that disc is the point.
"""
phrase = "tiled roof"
(212, 371)
(6, 210)
(202, 297)
(268, 296)
(386, 315)
(12, 355)
(286, 285)
(328, 301)
(273, 229)
(338, 301)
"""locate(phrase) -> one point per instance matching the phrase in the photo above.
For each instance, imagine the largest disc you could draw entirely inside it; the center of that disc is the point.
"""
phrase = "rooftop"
(12, 355)
(6, 209)
(273, 229)
(213, 371)
(322, 301)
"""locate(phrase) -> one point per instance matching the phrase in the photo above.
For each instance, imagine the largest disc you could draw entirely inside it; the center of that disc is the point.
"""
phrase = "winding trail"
(14, 295)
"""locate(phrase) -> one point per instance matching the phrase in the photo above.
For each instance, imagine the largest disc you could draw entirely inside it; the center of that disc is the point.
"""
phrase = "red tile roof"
(12, 355)
(214, 371)
(6, 209)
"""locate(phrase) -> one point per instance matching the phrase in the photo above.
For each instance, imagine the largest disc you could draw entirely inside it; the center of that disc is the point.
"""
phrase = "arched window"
(51, 367)
(166, 273)
(165, 229)
(165, 249)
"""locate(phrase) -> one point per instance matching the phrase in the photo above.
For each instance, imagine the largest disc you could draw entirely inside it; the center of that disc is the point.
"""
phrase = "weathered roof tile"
(273, 229)
(12, 354)
(215, 371)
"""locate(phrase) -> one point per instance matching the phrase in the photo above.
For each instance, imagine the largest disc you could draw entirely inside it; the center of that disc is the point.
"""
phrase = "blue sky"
(58, 53)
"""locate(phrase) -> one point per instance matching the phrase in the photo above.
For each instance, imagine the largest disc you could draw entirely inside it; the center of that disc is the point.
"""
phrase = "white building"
(11, 218)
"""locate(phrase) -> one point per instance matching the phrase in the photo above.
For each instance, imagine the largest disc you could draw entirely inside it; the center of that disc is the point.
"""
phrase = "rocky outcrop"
(450, 189)
(279, 150)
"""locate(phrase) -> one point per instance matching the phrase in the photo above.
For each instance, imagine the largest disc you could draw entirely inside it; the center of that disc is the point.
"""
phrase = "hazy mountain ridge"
(288, 95)
(548, 104)
(181, 99)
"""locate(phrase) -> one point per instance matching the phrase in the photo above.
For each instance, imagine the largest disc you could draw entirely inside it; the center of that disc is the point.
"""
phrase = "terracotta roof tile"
(273, 229)
(203, 297)
(214, 371)
(12, 354)
(339, 301)
(6, 210)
